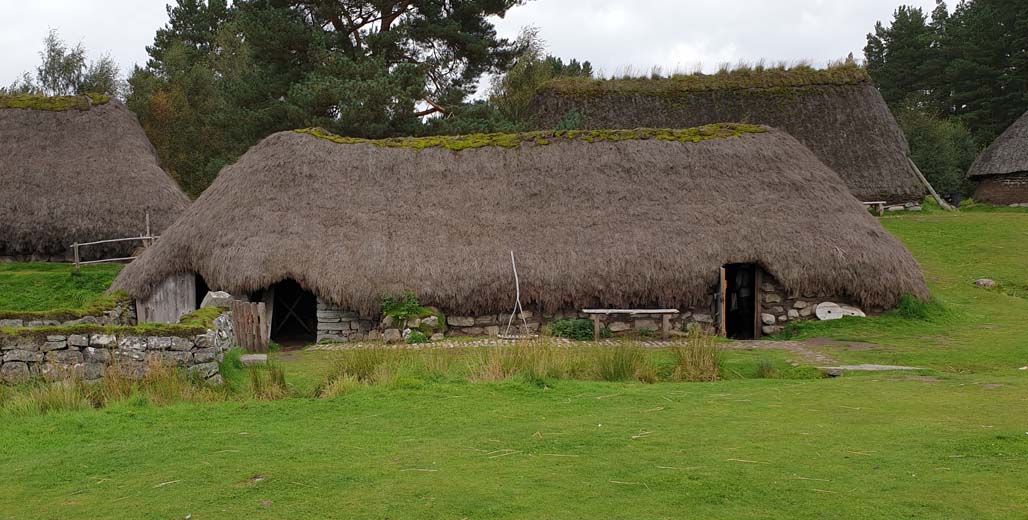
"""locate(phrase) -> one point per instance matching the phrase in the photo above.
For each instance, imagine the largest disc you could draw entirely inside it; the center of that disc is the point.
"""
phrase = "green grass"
(968, 329)
(52, 103)
(950, 442)
(50, 290)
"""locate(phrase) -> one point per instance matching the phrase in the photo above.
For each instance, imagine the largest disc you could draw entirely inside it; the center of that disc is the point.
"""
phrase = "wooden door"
(721, 304)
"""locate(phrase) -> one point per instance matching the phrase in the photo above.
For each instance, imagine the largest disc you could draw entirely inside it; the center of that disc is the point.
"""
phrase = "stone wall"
(123, 313)
(86, 356)
(1003, 189)
(778, 307)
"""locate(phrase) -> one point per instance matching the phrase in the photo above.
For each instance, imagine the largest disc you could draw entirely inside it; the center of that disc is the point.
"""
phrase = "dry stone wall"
(1011, 189)
(87, 356)
(779, 306)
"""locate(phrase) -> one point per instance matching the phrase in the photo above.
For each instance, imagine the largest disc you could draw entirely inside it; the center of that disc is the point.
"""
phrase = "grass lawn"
(951, 442)
(36, 288)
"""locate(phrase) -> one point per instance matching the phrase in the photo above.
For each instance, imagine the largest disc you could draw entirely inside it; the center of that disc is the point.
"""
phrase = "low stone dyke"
(88, 356)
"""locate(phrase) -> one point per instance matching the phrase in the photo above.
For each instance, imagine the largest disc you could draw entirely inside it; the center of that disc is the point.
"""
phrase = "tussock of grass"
(699, 359)
(53, 103)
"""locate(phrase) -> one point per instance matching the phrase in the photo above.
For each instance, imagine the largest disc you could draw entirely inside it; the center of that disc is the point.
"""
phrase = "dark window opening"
(740, 301)
(294, 314)
(201, 291)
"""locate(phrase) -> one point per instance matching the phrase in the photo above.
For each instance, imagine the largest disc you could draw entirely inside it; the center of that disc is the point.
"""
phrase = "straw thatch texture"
(623, 224)
(843, 120)
(1007, 154)
(79, 176)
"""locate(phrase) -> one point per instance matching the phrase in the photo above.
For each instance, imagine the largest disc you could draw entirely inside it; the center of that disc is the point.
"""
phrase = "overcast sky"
(612, 34)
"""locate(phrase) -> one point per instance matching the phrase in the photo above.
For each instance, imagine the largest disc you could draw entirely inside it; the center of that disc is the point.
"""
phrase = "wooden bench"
(665, 315)
(878, 205)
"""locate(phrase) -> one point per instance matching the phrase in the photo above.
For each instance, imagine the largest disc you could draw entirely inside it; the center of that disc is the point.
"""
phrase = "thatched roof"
(75, 171)
(1007, 154)
(837, 113)
(595, 218)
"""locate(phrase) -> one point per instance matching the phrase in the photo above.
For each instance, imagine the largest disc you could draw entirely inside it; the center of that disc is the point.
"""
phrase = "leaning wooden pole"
(942, 204)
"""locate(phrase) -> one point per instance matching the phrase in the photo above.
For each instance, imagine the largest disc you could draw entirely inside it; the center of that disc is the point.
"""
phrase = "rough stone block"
(53, 345)
(767, 319)
(392, 336)
(492, 330)
(431, 321)
(65, 357)
(133, 355)
(646, 324)
(485, 320)
(57, 339)
(783, 318)
(90, 371)
(618, 326)
(16, 372)
(181, 344)
(702, 318)
(96, 355)
(800, 304)
(78, 340)
(772, 298)
(460, 321)
(132, 343)
(11, 323)
(768, 330)
(172, 357)
(204, 370)
(103, 340)
(25, 356)
(793, 314)
(216, 299)
(473, 331)
(438, 336)
(158, 343)
(807, 311)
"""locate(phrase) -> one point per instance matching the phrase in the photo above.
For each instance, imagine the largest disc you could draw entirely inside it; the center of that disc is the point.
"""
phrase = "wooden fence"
(250, 324)
(147, 239)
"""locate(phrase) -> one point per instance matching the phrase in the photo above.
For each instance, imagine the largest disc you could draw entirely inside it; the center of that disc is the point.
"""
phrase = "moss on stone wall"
(542, 138)
(747, 78)
(53, 103)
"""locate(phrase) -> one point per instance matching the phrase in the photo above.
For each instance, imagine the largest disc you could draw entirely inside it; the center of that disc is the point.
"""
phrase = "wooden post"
(921, 177)
(147, 242)
(75, 248)
(596, 327)
(262, 327)
(665, 327)
(723, 305)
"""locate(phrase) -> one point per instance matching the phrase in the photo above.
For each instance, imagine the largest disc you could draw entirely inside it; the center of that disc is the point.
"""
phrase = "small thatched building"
(616, 219)
(1001, 171)
(837, 113)
(77, 169)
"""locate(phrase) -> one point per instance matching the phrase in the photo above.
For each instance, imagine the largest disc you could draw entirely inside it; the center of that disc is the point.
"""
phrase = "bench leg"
(596, 327)
(665, 327)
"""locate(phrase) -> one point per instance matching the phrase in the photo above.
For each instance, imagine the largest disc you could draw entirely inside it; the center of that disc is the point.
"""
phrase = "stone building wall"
(86, 356)
(1009, 189)
(778, 307)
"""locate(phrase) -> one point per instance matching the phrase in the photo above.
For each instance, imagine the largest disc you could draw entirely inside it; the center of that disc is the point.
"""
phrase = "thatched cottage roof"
(613, 218)
(77, 170)
(1007, 154)
(837, 113)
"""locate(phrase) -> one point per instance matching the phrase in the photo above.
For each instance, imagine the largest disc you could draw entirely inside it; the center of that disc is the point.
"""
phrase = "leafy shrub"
(416, 336)
(577, 329)
(404, 306)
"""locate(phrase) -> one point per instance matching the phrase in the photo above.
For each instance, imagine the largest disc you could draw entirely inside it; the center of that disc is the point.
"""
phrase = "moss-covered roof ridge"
(739, 79)
(544, 137)
(53, 103)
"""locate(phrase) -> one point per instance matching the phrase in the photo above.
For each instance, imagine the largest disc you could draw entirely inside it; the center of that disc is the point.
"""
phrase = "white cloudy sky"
(612, 34)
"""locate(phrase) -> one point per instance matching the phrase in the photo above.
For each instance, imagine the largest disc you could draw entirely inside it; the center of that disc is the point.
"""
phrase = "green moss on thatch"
(53, 103)
(740, 79)
(542, 138)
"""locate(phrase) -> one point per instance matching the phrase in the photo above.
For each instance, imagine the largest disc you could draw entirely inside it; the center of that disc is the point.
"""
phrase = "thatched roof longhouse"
(609, 222)
(837, 113)
(1007, 154)
(77, 170)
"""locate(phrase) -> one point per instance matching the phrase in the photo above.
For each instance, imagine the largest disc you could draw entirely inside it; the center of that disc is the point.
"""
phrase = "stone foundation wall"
(778, 306)
(86, 356)
(1003, 189)
(123, 313)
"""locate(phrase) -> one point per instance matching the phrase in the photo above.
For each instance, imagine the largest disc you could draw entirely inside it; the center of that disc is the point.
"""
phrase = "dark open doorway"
(294, 314)
(741, 301)
(201, 290)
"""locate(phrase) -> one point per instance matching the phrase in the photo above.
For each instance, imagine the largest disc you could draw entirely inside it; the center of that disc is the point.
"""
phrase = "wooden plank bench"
(665, 321)
(878, 205)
